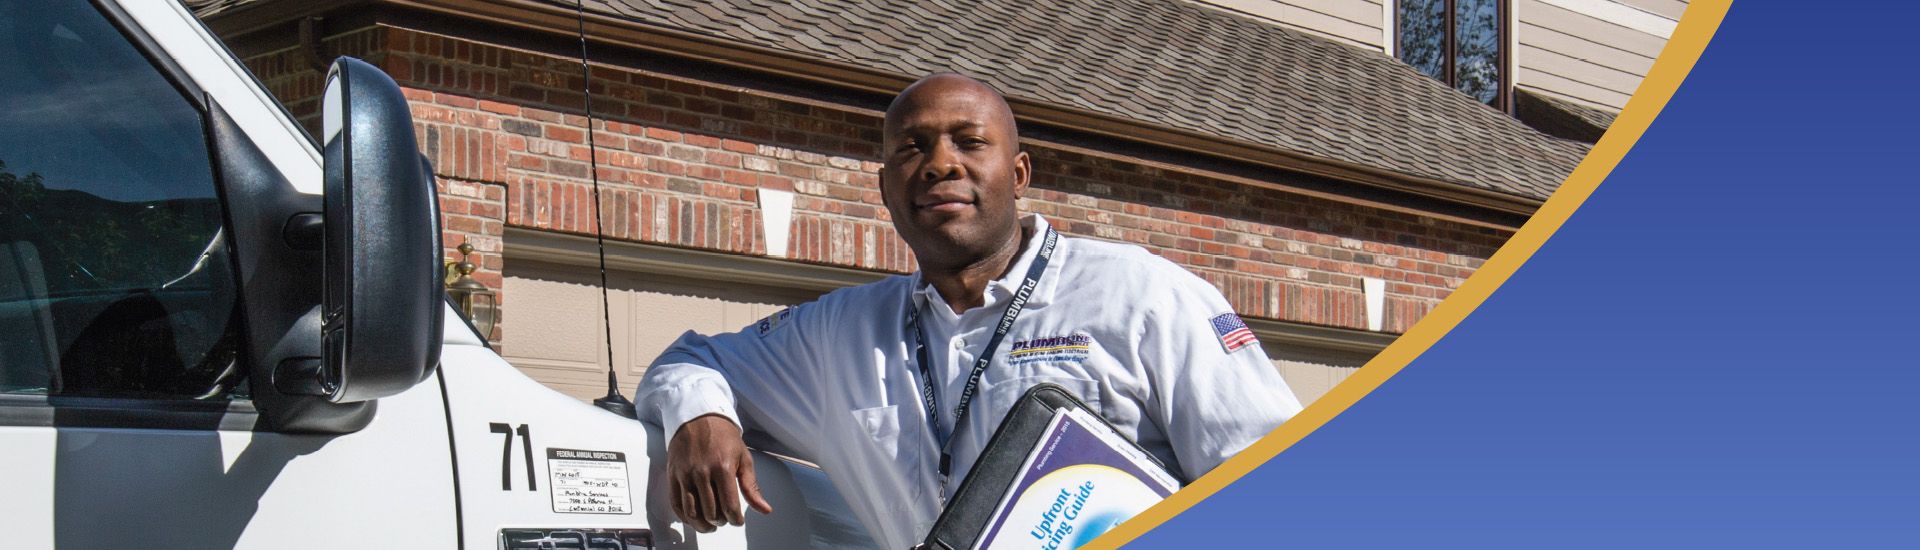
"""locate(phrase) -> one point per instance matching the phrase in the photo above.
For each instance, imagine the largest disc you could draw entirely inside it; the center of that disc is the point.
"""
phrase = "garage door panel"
(1312, 372)
(552, 327)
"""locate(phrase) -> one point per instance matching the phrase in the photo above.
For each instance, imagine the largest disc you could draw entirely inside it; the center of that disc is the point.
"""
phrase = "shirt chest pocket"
(881, 426)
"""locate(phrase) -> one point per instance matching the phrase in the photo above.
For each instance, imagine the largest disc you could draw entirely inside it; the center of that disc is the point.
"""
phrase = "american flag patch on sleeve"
(1233, 332)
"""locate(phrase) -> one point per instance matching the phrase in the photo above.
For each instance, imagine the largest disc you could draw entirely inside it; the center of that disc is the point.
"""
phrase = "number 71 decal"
(506, 453)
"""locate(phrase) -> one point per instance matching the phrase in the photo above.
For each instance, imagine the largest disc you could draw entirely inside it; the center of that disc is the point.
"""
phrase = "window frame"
(1503, 96)
(150, 49)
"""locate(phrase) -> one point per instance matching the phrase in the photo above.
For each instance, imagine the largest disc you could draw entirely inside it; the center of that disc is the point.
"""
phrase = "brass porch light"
(478, 302)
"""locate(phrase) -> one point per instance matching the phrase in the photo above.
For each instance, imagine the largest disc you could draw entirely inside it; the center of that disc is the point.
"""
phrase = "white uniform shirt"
(1133, 335)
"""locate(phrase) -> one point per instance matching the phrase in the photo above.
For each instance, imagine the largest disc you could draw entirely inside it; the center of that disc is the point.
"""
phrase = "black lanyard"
(922, 357)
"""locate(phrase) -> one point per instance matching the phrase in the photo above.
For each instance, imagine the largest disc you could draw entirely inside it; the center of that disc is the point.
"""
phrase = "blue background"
(1717, 350)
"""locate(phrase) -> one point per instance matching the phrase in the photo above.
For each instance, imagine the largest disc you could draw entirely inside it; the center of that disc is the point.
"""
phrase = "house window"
(1460, 42)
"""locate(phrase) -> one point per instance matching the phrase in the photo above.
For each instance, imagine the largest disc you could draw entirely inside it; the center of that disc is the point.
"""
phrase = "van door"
(126, 418)
(539, 470)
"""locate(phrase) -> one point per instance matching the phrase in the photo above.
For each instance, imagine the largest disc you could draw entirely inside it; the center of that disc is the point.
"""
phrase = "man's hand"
(707, 463)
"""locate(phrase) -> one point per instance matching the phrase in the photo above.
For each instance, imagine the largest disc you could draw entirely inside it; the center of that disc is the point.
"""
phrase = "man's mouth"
(946, 206)
(943, 203)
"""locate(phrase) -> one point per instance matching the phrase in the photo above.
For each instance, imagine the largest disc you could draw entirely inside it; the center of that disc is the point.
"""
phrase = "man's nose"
(942, 164)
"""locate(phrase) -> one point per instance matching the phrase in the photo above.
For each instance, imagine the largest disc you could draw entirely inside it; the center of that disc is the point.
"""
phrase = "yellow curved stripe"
(1689, 39)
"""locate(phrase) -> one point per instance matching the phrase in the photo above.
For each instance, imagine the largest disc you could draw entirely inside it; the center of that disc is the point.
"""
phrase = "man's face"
(953, 171)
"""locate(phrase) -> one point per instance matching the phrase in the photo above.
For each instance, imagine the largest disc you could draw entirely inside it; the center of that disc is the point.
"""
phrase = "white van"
(198, 351)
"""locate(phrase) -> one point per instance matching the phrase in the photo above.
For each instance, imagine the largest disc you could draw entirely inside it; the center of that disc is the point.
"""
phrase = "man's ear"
(1022, 173)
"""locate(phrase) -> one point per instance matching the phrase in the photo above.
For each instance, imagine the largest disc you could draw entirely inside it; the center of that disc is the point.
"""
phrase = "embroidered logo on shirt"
(771, 322)
(1072, 347)
(1233, 332)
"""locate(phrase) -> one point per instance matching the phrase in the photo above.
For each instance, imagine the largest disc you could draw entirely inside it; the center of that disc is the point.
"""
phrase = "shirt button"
(959, 343)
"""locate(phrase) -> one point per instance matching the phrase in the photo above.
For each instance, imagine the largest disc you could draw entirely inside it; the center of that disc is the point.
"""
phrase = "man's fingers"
(727, 489)
(673, 497)
(688, 502)
(704, 479)
(750, 488)
(709, 509)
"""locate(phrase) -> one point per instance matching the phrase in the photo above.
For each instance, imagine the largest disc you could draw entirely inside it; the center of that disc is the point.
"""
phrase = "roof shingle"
(1560, 118)
(1167, 63)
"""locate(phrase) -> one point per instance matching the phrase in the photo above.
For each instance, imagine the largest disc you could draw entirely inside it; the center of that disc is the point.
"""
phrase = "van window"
(115, 274)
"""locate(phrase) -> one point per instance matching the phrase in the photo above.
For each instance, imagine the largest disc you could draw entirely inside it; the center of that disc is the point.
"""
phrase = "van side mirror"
(381, 301)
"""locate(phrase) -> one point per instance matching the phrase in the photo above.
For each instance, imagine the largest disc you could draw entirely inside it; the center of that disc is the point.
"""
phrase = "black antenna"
(613, 402)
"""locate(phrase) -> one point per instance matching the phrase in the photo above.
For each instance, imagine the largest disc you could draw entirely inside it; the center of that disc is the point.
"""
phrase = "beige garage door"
(552, 331)
(1312, 371)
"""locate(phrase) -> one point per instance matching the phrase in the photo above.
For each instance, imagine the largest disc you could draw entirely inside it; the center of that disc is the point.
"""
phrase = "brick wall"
(682, 161)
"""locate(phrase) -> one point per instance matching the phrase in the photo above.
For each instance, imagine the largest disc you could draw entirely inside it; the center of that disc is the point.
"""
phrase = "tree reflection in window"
(1423, 38)
(116, 279)
(1459, 42)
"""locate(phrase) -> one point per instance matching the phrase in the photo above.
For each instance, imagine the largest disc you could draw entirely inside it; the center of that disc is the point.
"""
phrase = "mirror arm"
(279, 281)
(300, 376)
(305, 231)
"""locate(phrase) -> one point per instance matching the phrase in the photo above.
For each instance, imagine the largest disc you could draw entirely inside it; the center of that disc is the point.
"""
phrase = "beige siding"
(1595, 53)
(1571, 89)
(1356, 22)
(1583, 70)
(1542, 40)
(1578, 55)
(1670, 9)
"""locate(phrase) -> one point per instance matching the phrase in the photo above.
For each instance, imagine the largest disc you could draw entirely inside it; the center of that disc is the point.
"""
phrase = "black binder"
(966, 517)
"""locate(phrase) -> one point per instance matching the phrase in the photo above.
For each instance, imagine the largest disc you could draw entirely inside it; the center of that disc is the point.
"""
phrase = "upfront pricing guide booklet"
(1079, 481)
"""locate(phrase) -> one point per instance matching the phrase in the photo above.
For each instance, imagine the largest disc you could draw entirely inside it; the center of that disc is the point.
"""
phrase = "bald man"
(894, 387)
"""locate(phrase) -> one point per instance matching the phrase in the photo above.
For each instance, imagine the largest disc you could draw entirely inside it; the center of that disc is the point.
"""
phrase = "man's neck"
(965, 287)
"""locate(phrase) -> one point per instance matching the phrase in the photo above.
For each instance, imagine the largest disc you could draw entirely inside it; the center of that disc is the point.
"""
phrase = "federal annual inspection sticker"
(589, 482)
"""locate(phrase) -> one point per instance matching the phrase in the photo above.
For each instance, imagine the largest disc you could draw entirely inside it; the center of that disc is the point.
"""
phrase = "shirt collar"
(1006, 285)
